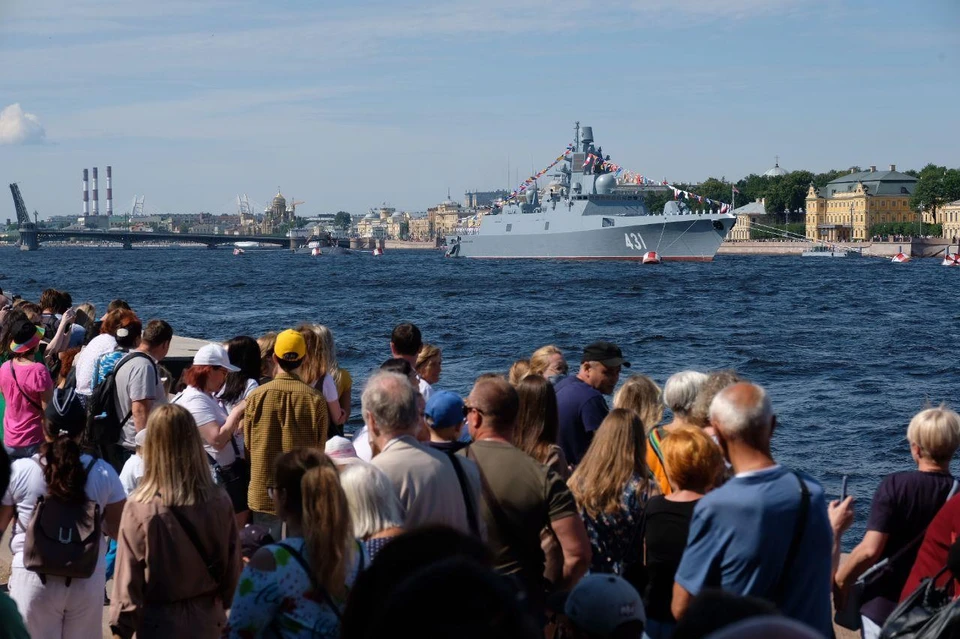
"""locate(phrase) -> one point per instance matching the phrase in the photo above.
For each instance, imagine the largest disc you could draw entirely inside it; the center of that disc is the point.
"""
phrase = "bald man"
(520, 496)
(764, 533)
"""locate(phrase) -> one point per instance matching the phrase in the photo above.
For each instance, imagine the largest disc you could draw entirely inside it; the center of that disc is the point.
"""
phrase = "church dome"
(279, 200)
(776, 171)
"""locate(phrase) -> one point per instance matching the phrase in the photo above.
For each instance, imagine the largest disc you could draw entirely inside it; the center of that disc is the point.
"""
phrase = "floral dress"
(283, 603)
(616, 538)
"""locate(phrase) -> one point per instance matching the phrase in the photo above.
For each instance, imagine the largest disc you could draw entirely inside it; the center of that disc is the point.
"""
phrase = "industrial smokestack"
(109, 191)
(96, 194)
(86, 193)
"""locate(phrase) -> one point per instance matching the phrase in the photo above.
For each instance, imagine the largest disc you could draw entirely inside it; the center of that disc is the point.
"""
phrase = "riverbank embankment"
(931, 247)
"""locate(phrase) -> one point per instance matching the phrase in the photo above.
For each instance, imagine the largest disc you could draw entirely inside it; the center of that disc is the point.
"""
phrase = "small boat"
(824, 250)
(951, 259)
(377, 252)
(315, 251)
(238, 251)
(900, 257)
(651, 257)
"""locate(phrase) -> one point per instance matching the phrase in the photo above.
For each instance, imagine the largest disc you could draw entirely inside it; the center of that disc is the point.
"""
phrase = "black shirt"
(666, 527)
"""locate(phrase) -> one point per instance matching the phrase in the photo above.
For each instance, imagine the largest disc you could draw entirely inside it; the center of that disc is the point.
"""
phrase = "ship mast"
(576, 136)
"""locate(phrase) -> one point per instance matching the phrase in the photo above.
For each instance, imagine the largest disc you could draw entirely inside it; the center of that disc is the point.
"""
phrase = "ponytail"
(63, 470)
(327, 531)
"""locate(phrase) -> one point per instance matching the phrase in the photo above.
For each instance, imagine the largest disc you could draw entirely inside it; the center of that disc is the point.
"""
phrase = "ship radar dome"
(606, 183)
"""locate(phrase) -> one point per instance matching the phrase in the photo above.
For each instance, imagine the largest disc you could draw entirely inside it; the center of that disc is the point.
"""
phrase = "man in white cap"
(607, 606)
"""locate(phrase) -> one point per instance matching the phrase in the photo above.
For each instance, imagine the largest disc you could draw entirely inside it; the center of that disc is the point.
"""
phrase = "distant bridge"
(31, 238)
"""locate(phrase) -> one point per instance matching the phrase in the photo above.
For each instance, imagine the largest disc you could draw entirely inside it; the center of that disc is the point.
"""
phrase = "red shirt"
(932, 556)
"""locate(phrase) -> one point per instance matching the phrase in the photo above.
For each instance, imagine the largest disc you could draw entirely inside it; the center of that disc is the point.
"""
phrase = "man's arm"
(140, 410)
(575, 545)
(681, 601)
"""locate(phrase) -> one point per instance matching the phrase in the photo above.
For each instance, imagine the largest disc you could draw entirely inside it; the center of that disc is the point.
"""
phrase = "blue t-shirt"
(580, 408)
(739, 538)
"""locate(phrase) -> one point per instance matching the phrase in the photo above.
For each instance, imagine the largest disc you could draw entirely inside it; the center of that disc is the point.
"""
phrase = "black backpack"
(104, 425)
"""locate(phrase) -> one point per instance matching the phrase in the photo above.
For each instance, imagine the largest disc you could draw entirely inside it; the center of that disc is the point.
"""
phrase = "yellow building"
(950, 218)
(745, 216)
(848, 207)
(421, 229)
(447, 217)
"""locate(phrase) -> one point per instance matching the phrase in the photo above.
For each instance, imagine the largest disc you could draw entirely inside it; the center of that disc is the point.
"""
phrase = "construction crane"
(293, 205)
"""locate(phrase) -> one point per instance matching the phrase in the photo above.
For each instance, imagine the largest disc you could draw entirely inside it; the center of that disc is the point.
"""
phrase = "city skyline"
(348, 107)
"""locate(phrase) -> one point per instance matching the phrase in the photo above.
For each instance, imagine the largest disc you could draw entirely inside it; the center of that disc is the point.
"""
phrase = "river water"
(849, 349)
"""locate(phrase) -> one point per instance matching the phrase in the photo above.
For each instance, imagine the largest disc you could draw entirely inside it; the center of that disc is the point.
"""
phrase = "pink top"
(23, 421)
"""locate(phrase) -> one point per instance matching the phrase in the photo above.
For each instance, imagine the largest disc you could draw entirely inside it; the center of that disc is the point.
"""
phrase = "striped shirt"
(282, 415)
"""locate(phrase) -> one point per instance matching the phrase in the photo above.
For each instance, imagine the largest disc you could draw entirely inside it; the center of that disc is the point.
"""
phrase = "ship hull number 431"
(635, 241)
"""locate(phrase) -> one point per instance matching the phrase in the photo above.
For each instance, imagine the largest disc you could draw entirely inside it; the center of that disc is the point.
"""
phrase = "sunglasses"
(468, 409)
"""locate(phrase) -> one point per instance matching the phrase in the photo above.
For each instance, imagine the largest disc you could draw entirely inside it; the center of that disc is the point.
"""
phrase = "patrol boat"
(586, 214)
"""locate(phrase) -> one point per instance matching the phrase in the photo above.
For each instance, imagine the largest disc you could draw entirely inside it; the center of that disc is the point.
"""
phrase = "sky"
(347, 106)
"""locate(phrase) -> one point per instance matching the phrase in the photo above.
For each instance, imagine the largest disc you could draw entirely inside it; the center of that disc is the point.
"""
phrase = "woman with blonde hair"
(178, 555)
(429, 363)
(341, 376)
(268, 367)
(611, 488)
(314, 372)
(903, 506)
(694, 464)
(519, 370)
(642, 395)
(297, 588)
(548, 362)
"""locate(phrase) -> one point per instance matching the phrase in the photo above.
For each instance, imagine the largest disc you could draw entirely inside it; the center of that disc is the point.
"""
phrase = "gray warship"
(585, 214)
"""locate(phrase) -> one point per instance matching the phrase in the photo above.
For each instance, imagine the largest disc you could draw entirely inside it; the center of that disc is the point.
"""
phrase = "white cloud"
(20, 127)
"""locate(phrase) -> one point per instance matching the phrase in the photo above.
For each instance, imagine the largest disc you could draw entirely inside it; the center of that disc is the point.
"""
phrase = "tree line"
(937, 186)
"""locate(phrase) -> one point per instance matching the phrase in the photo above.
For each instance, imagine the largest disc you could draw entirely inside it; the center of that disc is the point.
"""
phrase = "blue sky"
(348, 105)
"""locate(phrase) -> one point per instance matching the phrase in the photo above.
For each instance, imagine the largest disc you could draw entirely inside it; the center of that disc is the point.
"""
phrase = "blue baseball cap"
(445, 409)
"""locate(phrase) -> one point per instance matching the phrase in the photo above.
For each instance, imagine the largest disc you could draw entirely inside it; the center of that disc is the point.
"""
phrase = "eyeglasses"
(468, 409)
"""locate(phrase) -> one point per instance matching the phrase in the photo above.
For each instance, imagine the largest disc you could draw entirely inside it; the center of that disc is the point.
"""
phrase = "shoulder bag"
(467, 496)
(849, 616)
(317, 588)
(780, 589)
(214, 566)
(33, 402)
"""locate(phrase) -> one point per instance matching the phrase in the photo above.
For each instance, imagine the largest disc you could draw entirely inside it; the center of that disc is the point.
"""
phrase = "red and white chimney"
(109, 191)
(86, 193)
(96, 194)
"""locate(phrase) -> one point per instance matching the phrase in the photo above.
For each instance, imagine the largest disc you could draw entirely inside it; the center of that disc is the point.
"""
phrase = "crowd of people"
(232, 502)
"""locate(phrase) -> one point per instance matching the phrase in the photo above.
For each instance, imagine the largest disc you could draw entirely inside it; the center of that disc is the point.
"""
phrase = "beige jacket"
(162, 587)
(427, 484)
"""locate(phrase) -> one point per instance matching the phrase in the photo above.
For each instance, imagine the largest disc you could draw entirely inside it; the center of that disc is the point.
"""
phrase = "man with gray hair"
(431, 489)
(766, 532)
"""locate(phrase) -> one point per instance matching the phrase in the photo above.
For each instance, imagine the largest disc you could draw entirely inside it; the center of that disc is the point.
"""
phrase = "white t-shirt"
(425, 388)
(86, 360)
(330, 389)
(361, 444)
(131, 473)
(27, 485)
(206, 409)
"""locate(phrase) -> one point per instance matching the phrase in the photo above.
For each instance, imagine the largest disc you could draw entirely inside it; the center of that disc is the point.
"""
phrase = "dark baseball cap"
(606, 353)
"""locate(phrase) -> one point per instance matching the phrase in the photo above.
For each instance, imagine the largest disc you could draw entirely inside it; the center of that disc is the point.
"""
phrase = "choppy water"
(848, 349)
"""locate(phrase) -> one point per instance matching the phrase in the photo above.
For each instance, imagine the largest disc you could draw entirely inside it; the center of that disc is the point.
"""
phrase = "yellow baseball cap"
(290, 346)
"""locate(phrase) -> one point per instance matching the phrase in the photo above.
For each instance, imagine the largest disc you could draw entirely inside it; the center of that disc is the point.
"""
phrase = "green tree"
(341, 220)
(937, 186)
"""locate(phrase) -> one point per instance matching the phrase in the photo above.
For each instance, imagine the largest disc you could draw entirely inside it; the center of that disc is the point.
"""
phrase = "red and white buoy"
(951, 260)
(315, 251)
(900, 257)
(651, 257)
(377, 252)
(238, 251)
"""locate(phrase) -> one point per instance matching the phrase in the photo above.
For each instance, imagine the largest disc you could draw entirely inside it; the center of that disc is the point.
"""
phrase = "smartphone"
(843, 488)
